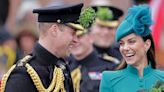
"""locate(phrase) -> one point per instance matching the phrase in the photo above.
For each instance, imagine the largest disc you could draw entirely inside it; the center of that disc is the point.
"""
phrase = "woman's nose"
(126, 47)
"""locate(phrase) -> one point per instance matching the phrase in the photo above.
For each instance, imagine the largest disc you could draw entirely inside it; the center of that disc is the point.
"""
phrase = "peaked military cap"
(59, 13)
(107, 14)
(107, 3)
(117, 13)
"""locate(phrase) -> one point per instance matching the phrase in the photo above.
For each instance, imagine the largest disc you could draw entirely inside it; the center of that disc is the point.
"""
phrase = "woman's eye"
(132, 41)
(121, 43)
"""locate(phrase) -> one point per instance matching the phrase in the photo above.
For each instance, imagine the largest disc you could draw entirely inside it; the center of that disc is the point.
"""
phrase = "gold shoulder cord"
(5, 78)
(57, 83)
(76, 78)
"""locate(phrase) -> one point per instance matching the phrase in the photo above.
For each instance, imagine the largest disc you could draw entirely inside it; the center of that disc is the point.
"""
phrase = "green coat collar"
(132, 70)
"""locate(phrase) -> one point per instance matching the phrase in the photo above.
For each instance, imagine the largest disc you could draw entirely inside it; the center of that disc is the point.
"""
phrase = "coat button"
(140, 80)
(141, 86)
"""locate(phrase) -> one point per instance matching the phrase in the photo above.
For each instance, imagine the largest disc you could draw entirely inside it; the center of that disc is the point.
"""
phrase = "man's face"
(27, 43)
(83, 45)
(67, 39)
(103, 36)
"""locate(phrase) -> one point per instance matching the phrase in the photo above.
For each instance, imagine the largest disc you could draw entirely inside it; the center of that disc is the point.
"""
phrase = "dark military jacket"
(112, 51)
(91, 68)
(43, 62)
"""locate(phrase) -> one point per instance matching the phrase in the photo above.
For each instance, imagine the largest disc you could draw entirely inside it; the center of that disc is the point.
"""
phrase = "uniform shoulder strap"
(110, 58)
(23, 61)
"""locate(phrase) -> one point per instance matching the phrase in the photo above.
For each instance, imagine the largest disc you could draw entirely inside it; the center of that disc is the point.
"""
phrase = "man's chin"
(104, 45)
(68, 54)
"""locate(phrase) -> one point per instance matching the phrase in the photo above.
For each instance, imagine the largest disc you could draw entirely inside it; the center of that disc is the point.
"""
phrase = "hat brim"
(79, 29)
(75, 26)
(107, 23)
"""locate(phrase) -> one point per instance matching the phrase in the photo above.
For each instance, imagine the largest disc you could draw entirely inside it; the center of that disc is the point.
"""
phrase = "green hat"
(137, 21)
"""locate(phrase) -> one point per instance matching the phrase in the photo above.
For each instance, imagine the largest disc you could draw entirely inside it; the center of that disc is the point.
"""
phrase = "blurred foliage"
(87, 17)
(104, 13)
(158, 87)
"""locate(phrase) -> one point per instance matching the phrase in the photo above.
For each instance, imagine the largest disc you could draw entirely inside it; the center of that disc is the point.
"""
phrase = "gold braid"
(56, 85)
(5, 78)
(76, 78)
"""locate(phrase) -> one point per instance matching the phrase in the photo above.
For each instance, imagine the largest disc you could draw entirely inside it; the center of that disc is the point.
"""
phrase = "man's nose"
(75, 40)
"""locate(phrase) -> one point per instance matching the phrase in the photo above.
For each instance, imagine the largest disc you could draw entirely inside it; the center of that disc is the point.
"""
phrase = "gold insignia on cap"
(81, 32)
(75, 26)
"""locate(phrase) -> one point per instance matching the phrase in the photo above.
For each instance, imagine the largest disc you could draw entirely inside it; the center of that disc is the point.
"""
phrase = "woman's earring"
(146, 51)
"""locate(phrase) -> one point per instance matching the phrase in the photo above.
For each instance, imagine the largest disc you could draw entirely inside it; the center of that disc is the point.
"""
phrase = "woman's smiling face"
(133, 49)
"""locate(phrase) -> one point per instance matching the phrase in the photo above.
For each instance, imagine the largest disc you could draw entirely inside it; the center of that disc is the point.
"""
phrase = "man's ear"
(53, 30)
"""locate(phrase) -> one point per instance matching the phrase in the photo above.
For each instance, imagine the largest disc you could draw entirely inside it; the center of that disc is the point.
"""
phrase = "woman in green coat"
(137, 49)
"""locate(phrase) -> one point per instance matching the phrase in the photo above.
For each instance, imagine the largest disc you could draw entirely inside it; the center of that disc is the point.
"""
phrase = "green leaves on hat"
(87, 17)
(104, 13)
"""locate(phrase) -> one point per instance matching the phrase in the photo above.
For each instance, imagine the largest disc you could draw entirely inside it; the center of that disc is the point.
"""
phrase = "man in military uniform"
(45, 69)
(86, 66)
(103, 30)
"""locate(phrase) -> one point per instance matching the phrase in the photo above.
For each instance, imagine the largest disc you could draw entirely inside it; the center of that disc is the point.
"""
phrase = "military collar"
(132, 70)
(45, 57)
(101, 50)
(107, 50)
(88, 61)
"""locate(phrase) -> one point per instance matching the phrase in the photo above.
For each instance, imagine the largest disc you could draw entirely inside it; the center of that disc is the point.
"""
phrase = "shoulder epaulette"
(23, 61)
